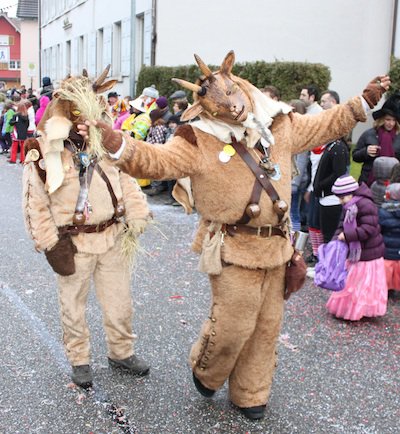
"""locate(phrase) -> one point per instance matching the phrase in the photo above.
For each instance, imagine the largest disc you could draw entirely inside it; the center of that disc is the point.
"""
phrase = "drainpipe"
(154, 32)
(132, 68)
(40, 42)
(394, 27)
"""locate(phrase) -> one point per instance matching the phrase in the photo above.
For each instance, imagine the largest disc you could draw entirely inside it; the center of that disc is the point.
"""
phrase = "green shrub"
(288, 77)
(394, 74)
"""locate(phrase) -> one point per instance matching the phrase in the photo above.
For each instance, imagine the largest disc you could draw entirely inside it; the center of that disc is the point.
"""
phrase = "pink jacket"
(43, 103)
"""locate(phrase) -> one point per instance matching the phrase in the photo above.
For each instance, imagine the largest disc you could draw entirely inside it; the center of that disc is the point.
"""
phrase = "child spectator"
(7, 128)
(365, 292)
(389, 220)
(20, 121)
(382, 169)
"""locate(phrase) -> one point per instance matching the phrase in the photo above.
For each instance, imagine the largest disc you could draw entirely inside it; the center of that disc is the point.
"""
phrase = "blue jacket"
(389, 219)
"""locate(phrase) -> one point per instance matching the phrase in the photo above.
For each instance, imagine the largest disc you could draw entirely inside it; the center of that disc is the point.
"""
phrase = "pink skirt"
(365, 292)
(392, 269)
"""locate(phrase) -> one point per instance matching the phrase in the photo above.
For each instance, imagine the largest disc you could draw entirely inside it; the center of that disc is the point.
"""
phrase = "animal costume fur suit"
(99, 253)
(238, 340)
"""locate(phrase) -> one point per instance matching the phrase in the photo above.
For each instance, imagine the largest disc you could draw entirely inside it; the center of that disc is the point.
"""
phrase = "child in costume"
(243, 235)
(83, 213)
(365, 292)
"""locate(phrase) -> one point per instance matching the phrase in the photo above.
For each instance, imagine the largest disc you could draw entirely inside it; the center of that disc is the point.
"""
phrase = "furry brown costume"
(79, 253)
(238, 340)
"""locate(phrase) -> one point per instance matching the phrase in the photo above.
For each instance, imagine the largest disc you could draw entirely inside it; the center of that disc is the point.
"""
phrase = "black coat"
(334, 163)
(370, 137)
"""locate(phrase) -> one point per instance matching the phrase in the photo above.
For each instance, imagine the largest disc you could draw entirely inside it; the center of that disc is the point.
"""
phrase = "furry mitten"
(375, 89)
(112, 139)
(61, 256)
(295, 275)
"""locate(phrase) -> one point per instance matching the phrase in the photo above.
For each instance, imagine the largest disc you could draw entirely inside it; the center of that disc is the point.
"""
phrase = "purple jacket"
(368, 231)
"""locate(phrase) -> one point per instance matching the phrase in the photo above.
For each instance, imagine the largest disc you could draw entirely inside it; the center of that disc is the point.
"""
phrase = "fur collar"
(255, 127)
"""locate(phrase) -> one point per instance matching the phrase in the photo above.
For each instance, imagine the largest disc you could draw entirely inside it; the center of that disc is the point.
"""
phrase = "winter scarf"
(350, 224)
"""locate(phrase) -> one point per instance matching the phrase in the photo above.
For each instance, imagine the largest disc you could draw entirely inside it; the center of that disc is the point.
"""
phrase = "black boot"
(133, 365)
(253, 413)
(82, 376)
(203, 390)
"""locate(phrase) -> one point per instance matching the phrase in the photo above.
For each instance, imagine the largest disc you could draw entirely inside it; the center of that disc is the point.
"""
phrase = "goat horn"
(203, 67)
(85, 73)
(187, 85)
(102, 76)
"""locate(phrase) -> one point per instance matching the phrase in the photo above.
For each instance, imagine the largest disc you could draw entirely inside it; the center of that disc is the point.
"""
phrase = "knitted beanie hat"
(393, 191)
(162, 102)
(151, 92)
(344, 185)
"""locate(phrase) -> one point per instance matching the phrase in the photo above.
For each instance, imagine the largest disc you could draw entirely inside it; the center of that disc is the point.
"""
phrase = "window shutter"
(107, 32)
(148, 27)
(126, 43)
(92, 54)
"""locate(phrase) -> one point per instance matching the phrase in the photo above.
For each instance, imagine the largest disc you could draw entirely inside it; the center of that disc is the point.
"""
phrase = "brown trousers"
(238, 340)
(112, 285)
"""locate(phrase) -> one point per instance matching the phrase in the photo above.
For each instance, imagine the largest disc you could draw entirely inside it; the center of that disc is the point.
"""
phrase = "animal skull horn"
(101, 78)
(204, 68)
(187, 85)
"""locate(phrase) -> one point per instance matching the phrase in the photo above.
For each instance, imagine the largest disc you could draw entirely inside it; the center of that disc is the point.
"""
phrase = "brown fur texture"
(32, 143)
(234, 342)
(221, 191)
(238, 341)
(44, 213)
(61, 256)
(187, 133)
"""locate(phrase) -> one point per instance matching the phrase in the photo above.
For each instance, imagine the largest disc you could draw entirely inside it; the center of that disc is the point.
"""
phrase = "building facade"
(10, 52)
(91, 34)
(355, 38)
(27, 13)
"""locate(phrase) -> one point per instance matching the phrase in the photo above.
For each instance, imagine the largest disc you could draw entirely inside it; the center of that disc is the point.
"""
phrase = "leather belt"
(264, 231)
(86, 229)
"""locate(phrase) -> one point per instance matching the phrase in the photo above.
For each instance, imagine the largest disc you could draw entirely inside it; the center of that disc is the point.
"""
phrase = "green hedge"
(288, 77)
(394, 74)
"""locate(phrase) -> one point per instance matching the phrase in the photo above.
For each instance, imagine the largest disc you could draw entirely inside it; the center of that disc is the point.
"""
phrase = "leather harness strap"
(264, 231)
(87, 229)
(114, 199)
(254, 198)
(260, 175)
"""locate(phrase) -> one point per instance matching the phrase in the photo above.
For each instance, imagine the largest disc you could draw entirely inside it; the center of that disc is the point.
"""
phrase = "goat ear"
(228, 63)
(105, 86)
(191, 112)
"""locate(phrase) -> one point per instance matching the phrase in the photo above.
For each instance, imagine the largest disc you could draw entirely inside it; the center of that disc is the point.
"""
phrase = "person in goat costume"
(81, 211)
(245, 253)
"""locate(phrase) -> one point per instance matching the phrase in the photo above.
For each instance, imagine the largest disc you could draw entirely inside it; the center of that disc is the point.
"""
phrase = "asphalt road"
(333, 376)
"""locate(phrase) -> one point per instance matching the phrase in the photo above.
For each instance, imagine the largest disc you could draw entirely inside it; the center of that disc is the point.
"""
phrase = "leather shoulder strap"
(260, 175)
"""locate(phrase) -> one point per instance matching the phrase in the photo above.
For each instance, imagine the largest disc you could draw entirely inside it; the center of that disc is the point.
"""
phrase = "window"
(99, 51)
(15, 64)
(68, 57)
(139, 48)
(116, 49)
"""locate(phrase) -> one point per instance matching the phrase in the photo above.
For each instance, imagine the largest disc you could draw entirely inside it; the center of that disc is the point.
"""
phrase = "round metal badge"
(223, 157)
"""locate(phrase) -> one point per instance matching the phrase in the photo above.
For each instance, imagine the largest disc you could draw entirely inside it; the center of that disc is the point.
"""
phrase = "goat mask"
(219, 95)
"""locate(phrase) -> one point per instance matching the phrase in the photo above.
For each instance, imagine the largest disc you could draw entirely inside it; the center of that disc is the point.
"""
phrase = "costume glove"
(375, 89)
(295, 275)
(61, 256)
(112, 139)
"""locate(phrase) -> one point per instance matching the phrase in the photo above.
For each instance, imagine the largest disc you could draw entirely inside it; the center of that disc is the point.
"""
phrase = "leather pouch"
(61, 256)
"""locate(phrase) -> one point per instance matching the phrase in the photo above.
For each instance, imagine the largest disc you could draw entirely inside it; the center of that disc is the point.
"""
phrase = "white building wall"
(77, 23)
(30, 53)
(352, 37)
